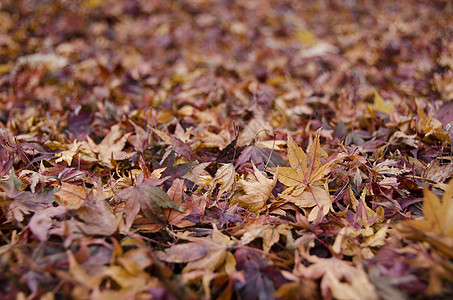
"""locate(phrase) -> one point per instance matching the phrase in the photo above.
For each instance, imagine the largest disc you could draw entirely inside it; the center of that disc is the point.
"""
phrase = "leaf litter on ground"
(226, 149)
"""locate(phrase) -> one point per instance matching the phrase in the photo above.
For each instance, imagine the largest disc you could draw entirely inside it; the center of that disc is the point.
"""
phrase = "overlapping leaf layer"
(253, 149)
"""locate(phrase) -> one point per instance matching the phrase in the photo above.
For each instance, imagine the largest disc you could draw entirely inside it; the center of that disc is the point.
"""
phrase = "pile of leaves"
(226, 149)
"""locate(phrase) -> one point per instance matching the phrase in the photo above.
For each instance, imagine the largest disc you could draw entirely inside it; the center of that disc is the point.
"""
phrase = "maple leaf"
(437, 224)
(256, 191)
(42, 221)
(226, 177)
(97, 216)
(380, 105)
(141, 139)
(111, 146)
(348, 239)
(260, 155)
(147, 198)
(171, 215)
(317, 197)
(35, 178)
(67, 155)
(340, 279)
(202, 253)
(269, 233)
(179, 146)
(306, 169)
(22, 203)
(70, 195)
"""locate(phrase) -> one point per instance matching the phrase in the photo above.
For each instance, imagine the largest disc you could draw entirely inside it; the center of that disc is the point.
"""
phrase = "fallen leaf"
(437, 225)
(67, 155)
(256, 191)
(317, 197)
(306, 169)
(269, 233)
(381, 105)
(151, 200)
(97, 218)
(70, 195)
(209, 252)
(339, 278)
(226, 177)
(111, 146)
(41, 222)
(172, 216)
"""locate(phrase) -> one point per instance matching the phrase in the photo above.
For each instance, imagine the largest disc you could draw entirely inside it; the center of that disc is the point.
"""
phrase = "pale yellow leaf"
(226, 177)
(316, 195)
(256, 191)
(67, 155)
(359, 288)
(306, 169)
(378, 239)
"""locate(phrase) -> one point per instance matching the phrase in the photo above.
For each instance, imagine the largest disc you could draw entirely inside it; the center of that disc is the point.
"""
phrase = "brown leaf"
(97, 218)
(70, 195)
(111, 147)
(152, 200)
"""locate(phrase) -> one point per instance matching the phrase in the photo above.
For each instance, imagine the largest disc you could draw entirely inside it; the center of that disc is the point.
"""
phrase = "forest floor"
(252, 149)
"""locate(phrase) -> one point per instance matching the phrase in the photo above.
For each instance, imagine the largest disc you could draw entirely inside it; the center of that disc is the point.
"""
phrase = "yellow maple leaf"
(306, 169)
(256, 191)
(226, 177)
(438, 214)
(381, 105)
(437, 225)
(67, 155)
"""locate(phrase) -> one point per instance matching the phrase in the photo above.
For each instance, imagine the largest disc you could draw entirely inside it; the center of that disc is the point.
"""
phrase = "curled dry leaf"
(255, 191)
(226, 177)
(208, 252)
(339, 278)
